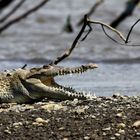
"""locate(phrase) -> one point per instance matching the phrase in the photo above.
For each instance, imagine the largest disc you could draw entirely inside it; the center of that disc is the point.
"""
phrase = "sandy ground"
(103, 118)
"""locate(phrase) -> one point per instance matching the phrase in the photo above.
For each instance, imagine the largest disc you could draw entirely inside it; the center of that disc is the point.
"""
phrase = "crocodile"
(30, 85)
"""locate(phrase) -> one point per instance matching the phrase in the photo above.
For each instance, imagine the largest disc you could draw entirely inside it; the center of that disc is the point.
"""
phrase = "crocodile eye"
(34, 69)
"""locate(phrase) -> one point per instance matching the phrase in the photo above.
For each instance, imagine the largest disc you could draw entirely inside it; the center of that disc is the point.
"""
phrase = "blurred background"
(42, 36)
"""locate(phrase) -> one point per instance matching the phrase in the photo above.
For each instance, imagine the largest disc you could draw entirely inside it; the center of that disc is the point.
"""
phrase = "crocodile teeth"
(61, 72)
(70, 92)
(80, 69)
(70, 88)
(73, 71)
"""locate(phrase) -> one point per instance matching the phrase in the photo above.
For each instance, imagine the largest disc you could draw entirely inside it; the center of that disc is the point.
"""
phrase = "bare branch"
(87, 22)
(12, 11)
(74, 44)
(111, 37)
(128, 36)
(90, 29)
(110, 28)
(22, 16)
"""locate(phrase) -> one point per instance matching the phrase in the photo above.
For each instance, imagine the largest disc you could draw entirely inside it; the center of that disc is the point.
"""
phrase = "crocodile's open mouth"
(47, 85)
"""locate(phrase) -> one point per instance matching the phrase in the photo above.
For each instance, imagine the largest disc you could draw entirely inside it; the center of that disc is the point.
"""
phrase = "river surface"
(39, 39)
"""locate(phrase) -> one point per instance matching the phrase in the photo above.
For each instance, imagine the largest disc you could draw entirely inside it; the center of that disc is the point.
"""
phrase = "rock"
(112, 138)
(86, 138)
(115, 95)
(119, 114)
(1, 110)
(20, 108)
(28, 107)
(104, 134)
(75, 101)
(92, 116)
(65, 138)
(121, 125)
(138, 134)
(136, 124)
(52, 107)
(17, 124)
(121, 131)
(61, 128)
(106, 129)
(80, 109)
(40, 121)
(117, 134)
(7, 131)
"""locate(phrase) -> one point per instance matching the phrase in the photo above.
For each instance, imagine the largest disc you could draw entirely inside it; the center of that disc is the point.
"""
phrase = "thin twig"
(90, 29)
(24, 66)
(125, 44)
(22, 16)
(128, 36)
(12, 11)
(109, 35)
(110, 28)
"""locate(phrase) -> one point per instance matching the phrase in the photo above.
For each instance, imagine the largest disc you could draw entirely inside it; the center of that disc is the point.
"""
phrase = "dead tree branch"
(22, 16)
(110, 28)
(12, 11)
(125, 40)
(74, 44)
(87, 22)
(127, 37)
(111, 37)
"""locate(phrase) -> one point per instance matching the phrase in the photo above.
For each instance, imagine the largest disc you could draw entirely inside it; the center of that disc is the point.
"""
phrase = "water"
(39, 39)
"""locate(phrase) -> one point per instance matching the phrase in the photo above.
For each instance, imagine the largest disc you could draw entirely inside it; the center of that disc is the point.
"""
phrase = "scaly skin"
(31, 85)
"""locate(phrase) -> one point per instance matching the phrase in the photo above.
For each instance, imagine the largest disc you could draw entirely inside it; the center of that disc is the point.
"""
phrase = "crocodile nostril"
(8, 74)
(46, 66)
